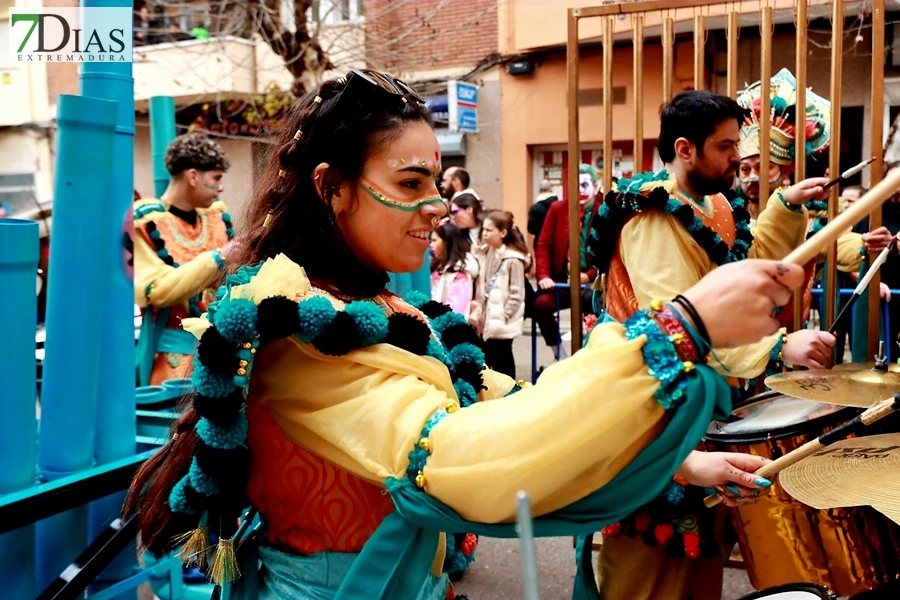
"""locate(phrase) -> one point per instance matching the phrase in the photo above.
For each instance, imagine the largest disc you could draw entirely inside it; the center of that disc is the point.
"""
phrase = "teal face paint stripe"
(400, 206)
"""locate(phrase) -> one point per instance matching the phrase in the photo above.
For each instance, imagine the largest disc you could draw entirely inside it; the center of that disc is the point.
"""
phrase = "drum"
(848, 550)
(792, 591)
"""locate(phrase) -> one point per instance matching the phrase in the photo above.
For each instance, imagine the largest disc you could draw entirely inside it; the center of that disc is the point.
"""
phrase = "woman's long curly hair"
(288, 215)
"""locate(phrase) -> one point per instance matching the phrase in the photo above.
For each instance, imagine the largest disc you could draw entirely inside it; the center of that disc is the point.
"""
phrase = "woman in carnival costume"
(370, 429)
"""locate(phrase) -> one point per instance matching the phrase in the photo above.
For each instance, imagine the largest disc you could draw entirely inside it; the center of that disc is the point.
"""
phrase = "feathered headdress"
(783, 117)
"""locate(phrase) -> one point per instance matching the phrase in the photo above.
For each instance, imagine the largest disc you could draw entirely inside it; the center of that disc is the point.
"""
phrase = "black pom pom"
(730, 194)
(216, 353)
(433, 309)
(408, 332)
(338, 337)
(195, 499)
(219, 411)
(158, 243)
(675, 547)
(229, 467)
(658, 196)
(470, 373)
(684, 213)
(790, 114)
(169, 260)
(278, 318)
(459, 334)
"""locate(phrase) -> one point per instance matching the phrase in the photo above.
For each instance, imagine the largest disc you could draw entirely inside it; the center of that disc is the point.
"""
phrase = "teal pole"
(162, 132)
(116, 422)
(18, 432)
(74, 315)
(421, 279)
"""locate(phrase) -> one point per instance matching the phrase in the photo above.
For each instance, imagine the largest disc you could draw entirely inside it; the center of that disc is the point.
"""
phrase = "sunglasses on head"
(361, 82)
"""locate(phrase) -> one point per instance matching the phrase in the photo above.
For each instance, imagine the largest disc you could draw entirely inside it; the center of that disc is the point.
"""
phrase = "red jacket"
(552, 252)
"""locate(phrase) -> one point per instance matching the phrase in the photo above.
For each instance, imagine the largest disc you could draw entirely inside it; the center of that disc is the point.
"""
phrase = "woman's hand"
(729, 472)
(808, 348)
(737, 301)
(877, 240)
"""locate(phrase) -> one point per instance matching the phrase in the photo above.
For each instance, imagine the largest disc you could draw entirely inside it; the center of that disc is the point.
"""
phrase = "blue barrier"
(162, 132)
(19, 249)
(885, 315)
(115, 416)
(74, 301)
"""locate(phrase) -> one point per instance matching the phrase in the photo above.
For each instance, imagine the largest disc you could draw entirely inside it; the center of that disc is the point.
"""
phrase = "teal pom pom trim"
(436, 350)
(162, 253)
(447, 320)
(224, 438)
(155, 234)
(142, 211)
(236, 320)
(633, 185)
(415, 298)
(315, 314)
(178, 501)
(467, 353)
(202, 482)
(210, 384)
(370, 320)
(661, 359)
(418, 456)
(466, 393)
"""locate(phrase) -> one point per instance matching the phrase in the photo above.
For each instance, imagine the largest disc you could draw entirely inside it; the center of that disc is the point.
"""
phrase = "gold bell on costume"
(783, 116)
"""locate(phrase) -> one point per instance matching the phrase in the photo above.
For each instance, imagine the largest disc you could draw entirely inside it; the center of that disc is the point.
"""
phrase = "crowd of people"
(381, 435)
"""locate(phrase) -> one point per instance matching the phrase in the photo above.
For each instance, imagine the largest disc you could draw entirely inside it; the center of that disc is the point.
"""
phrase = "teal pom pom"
(162, 253)
(155, 234)
(466, 393)
(207, 383)
(696, 225)
(436, 350)
(236, 320)
(178, 501)
(779, 105)
(416, 299)
(672, 205)
(315, 313)
(224, 438)
(370, 320)
(446, 320)
(202, 482)
(226, 217)
(674, 493)
(241, 380)
(467, 353)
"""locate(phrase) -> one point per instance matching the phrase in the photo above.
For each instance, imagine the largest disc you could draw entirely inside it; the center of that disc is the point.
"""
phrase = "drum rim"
(754, 437)
(823, 592)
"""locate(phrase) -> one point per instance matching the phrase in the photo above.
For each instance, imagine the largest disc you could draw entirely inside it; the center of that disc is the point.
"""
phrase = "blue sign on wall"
(438, 106)
(462, 106)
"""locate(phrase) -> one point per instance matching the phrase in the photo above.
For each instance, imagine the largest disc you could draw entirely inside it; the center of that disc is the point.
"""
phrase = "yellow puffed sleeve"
(849, 257)
(561, 439)
(160, 285)
(663, 260)
(778, 230)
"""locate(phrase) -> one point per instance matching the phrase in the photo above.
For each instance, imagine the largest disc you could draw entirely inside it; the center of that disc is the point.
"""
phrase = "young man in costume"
(656, 234)
(552, 256)
(181, 241)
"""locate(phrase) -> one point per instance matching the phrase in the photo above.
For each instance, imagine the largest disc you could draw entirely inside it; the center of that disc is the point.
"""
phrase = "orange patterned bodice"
(620, 299)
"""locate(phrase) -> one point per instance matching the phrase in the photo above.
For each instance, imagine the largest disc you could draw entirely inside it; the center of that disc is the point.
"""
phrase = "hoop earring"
(435, 221)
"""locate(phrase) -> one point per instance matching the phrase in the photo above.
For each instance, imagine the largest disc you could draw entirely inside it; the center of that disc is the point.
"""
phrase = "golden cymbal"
(866, 366)
(854, 472)
(845, 388)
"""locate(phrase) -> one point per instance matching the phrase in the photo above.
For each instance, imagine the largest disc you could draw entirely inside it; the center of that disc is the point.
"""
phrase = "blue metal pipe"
(115, 434)
(74, 315)
(162, 132)
(18, 308)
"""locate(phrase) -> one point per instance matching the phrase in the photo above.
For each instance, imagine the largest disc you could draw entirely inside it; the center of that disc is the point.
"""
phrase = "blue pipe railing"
(19, 248)
(162, 132)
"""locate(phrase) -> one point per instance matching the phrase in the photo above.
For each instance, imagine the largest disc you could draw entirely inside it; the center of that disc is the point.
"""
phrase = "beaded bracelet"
(672, 326)
(791, 207)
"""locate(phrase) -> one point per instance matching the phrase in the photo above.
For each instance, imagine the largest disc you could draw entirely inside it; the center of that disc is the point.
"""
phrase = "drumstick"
(526, 546)
(849, 173)
(866, 205)
(863, 284)
(874, 413)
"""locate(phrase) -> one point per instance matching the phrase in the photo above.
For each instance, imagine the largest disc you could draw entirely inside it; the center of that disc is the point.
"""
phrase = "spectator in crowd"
(453, 268)
(455, 183)
(538, 211)
(498, 311)
(465, 211)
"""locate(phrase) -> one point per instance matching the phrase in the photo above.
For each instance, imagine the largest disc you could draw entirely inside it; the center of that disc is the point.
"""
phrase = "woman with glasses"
(363, 427)
(465, 210)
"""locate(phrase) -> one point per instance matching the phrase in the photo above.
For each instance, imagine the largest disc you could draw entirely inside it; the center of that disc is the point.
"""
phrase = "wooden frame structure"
(638, 11)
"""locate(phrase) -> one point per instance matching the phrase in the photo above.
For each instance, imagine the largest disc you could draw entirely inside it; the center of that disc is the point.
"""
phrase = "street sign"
(462, 105)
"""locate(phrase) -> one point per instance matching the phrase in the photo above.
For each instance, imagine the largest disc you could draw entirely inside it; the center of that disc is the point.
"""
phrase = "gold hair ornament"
(268, 220)
(281, 172)
(298, 135)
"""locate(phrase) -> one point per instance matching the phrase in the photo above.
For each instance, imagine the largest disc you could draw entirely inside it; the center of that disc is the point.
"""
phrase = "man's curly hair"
(194, 151)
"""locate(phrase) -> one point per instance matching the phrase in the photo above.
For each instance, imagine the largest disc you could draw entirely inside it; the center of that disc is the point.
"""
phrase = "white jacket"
(499, 305)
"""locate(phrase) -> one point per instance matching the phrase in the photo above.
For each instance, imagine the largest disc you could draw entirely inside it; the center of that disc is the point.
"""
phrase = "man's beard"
(707, 186)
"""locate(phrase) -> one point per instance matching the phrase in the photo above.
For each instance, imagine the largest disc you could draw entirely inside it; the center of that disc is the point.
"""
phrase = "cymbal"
(863, 471)
(866, 366)
(845, 388)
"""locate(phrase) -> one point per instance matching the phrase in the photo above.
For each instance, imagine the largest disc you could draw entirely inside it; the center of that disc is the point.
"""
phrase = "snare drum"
(848, 550)
(792, 591)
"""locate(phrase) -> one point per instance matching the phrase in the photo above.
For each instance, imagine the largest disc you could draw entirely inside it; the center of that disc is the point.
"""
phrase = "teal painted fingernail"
(733, 490)
(762, 482)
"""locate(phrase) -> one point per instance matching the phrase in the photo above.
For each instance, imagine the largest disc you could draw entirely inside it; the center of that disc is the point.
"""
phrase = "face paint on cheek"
(213, 188)
(407, 205)
(748, 181)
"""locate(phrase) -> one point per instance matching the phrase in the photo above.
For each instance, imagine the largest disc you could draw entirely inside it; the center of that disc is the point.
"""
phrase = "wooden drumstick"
(874, 413)
(860, 209)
